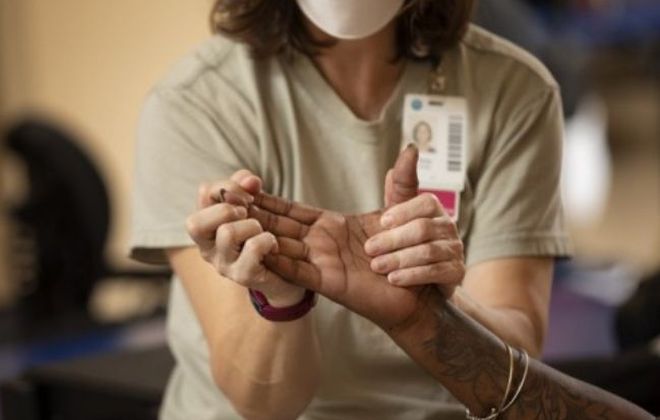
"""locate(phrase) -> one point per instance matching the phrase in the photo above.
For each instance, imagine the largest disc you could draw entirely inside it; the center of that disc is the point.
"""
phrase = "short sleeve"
(517, 202)
(180, 144)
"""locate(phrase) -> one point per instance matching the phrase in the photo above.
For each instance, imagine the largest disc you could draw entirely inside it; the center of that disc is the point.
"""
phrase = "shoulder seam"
(508, 55)
(205, 66)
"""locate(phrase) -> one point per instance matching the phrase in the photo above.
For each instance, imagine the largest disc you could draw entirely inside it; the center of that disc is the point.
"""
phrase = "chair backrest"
(67, 210)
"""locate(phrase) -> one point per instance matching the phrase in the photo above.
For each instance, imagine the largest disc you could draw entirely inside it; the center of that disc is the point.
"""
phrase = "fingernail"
(378, 264)
(371, 246)
(240, 212)
(386, 221)
(393, 278)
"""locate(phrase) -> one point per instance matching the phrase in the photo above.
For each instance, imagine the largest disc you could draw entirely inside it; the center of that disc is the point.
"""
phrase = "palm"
(343, 273)
(335, 245)
(324, 251)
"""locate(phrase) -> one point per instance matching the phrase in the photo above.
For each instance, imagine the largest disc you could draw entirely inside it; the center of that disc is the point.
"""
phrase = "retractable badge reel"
(437, 125)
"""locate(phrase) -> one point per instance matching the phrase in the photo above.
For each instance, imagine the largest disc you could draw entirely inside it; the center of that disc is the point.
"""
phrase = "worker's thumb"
(401, 182)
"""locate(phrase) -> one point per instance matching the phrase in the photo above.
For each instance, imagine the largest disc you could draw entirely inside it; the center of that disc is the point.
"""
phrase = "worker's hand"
(233, 243)
(420, 245)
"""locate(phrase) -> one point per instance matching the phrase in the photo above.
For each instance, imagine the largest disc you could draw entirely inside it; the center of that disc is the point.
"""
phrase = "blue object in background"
(15, 358)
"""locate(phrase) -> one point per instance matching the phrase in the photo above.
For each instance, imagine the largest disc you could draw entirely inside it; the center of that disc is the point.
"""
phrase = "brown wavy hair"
(425, 27)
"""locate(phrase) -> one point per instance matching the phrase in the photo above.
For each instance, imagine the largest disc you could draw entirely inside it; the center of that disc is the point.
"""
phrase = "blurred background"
(78, 318)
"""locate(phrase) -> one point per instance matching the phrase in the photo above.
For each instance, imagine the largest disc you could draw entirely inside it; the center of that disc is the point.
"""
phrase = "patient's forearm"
(472, 363)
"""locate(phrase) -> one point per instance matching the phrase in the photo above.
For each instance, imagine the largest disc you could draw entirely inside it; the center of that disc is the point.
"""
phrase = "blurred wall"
(629, 229)
(87, 64)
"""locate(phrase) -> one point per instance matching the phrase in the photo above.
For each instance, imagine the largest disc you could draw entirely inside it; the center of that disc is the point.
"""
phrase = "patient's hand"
(325, 251)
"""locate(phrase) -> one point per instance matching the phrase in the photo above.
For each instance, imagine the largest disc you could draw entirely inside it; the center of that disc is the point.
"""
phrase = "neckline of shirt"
(413, 78)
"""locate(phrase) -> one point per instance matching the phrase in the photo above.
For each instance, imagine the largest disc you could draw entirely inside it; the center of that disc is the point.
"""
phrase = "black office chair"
(60, 230)
(65, 217)
(64, 221)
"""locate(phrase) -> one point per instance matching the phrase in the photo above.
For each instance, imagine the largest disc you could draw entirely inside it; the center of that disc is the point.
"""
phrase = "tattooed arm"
(323, 251)
(473, 364)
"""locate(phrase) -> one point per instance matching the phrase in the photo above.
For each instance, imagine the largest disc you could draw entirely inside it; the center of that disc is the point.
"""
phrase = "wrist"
(422, 323)
(285, 299)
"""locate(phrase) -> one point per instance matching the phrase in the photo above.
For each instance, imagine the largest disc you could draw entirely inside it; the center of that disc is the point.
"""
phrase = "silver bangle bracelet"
(493, 415)
(493, 411)
(520, 385)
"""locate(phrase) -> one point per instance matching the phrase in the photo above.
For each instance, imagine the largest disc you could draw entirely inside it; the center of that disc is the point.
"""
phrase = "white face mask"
(350, 19)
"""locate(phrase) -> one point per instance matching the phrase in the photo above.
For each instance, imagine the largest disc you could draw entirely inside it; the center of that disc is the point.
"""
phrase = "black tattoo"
(477, 362)
(549, 395)
(473, 365)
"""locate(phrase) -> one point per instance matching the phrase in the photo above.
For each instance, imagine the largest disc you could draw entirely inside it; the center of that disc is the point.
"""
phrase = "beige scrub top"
(219, 111)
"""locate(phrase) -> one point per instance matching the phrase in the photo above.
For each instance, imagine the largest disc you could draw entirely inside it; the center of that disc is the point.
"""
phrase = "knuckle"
(214, 259)
(254, 224)
(395, 261)
(424, 228)
(208, 256)
(438, 271)
(269, 221)
(226, 211)
(228, 185)
(190, 225)
(243, 280)
(240, 174)
(419, 225)
(453, 228)
(251, 245)
(449, 225)
(237, 276)
(203, 189)
(226, 233)
(443, 227)
(430, 252)
(430, 203)
(193, 227)
(245, 274)
(285, 207)
(437, 251)
(424, 276)
(458, 270)
(457, 249)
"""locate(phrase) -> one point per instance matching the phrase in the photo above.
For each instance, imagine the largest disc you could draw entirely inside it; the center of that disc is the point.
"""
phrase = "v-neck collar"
(412, 79)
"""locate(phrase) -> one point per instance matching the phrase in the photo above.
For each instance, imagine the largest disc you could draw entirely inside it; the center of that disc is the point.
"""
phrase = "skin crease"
(325, 251)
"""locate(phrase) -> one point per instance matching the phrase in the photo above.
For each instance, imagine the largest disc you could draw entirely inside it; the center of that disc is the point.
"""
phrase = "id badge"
(437, 125)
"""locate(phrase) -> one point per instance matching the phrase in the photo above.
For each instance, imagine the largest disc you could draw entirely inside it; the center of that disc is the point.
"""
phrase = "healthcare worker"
(311, 97)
